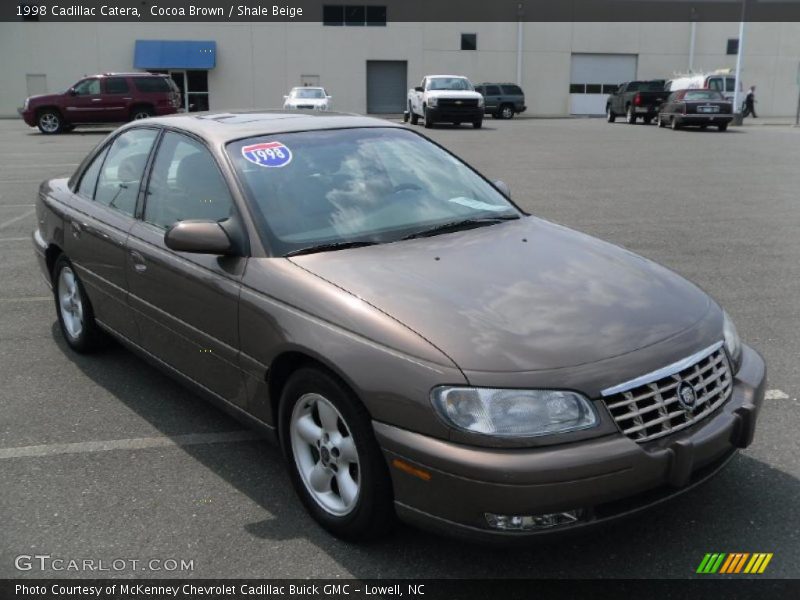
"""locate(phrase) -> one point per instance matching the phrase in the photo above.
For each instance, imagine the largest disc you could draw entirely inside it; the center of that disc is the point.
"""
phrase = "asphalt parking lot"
(128, 465)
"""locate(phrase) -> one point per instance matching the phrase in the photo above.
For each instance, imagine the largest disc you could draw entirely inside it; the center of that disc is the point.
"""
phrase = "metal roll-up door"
(594, 76)
(386, 86)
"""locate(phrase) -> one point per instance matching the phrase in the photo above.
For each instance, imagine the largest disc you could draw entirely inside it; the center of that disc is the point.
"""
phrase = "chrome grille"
(648, 407)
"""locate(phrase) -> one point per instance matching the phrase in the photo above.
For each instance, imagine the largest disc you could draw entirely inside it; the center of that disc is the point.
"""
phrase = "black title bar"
(401, 10)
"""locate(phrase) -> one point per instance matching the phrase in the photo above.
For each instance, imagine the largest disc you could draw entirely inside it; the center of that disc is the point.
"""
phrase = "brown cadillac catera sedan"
(416, 343)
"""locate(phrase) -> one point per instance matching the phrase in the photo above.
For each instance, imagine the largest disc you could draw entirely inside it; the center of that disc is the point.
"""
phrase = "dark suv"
(502, 100)
(107, 98)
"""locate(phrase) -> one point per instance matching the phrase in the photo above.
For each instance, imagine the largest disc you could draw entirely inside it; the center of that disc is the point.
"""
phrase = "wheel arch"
(51, 255)
(41, 109)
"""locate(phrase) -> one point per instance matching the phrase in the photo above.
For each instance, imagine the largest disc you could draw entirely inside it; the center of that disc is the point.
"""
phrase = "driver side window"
(185, 184)
(88, 87)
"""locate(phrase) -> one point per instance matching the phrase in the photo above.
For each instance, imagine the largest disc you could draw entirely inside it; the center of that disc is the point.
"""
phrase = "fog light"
(529, 522)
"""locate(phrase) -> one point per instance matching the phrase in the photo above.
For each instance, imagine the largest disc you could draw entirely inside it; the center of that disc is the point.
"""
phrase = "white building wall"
(258, 62)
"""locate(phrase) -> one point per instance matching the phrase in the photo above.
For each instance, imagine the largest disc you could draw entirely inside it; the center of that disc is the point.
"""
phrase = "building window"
(733, 46)
(353, 15)
(469, 41)
(577, 88)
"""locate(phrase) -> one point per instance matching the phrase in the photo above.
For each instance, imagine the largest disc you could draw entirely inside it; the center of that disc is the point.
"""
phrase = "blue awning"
(161, 54)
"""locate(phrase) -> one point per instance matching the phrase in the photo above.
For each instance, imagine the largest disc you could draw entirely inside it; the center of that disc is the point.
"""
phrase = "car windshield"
(449, 83)
(308, 93)
(361, 185)
(702, 95)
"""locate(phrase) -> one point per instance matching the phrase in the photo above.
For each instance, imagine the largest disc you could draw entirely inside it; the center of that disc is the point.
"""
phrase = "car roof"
(223, 127)
(136, 74)
(308, 87)
(452, 76)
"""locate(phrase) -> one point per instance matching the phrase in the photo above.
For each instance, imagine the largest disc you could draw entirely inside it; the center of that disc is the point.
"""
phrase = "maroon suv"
(107, 98)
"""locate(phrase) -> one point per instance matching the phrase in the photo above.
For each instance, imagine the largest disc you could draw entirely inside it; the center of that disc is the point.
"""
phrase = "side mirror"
(503, 188)
(72, 92)
(418, 89)
(286, 97)
(199, 237)
(329, 97)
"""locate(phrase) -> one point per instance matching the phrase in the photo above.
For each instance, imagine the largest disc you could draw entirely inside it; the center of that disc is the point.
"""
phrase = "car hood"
(311, 101)
(456, 94)
(44, 98)
(523, 295)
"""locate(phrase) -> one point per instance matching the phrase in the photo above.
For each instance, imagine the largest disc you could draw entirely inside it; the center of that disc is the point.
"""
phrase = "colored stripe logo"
(734, 562)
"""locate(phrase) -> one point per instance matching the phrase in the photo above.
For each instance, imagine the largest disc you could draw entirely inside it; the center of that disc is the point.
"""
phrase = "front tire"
(334, 461)
(414, 118)
(722, 127)
(610, 116)
(428, 120)
(477, 124)
(50, 122)
(661, 122)
(75, 313)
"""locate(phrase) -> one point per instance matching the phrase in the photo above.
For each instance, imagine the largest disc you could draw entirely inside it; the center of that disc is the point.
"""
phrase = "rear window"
(512, 90)
(646, 86)
(702, 95)
(152, 84)
(116, 85)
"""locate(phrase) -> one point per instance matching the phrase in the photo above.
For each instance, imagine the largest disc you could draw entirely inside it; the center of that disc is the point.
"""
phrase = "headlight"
(25, 106)
(480, 102)
(732, 343)
(433, 101)
(513, 413)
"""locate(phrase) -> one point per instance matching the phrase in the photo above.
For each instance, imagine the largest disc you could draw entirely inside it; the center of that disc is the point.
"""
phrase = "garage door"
(386, 86)
(594, 76)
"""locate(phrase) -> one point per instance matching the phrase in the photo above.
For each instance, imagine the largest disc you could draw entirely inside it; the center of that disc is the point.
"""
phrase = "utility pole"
(797, 116)
(737, 105)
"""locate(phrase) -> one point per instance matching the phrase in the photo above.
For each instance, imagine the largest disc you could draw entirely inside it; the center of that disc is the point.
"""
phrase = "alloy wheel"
(49, 122)
(70, 303)
(325, 454)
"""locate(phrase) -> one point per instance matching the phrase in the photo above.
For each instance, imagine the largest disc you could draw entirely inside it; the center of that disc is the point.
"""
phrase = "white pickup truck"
(445, 98)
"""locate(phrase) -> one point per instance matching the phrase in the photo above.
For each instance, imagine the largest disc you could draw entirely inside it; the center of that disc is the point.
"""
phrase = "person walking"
(750, 103)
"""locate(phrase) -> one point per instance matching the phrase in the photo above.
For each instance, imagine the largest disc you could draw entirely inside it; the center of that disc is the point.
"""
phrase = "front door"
(85, 104)
(186, 305)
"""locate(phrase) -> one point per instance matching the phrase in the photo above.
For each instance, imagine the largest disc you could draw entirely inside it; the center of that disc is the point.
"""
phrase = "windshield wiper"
(458, 225)
(329, 247)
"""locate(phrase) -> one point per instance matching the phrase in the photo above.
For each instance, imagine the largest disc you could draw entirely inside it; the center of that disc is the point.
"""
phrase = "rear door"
(99, 219)
(492, 98)
(117, 97)
(85, 103)
(186, 305)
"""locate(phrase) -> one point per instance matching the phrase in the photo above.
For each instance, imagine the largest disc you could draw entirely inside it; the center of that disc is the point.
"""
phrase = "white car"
(309, 98)
(450, 98)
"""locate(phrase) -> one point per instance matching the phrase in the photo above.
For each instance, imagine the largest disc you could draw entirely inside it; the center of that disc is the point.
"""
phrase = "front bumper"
(605, 477)
(29, 116)
(452, 113)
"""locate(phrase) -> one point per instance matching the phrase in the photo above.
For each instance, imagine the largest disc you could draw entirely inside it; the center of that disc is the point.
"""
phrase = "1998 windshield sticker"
(268, 154)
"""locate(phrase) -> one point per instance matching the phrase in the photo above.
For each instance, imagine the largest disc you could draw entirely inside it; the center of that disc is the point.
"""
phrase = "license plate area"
(708, 109)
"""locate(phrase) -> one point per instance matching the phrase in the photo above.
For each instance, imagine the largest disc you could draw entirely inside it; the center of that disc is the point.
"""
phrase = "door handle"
(96, 99)
(138, 261)
(77, 229)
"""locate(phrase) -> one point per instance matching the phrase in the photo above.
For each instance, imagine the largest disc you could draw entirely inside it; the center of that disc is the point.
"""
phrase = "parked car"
(636, 99)
(102, 99)
(721, 80)
(445, 98)
(309, 98)
(405, 332)
(502, 100)
(696, 108)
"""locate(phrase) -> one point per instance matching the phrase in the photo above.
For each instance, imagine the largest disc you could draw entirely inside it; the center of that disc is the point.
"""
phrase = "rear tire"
(674, 123)
(334, 461)
(141, 112)
(75, 313)
(477, 124)
(722, 127)
(610, 116)
(661, 122)
(50, 122)
(630, 116)
(506, 112)
(647, 120)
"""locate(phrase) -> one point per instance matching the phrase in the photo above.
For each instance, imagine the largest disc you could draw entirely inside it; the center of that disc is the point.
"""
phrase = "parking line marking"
(24, 215)
(15, 205)
(19, 239)
(27, 299)
(776, 395)
(190, 439)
